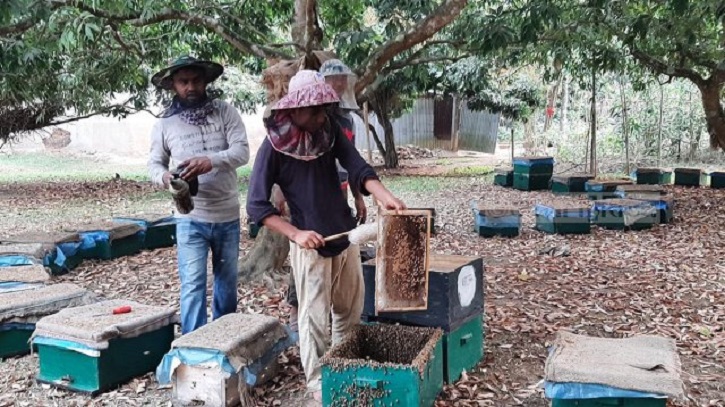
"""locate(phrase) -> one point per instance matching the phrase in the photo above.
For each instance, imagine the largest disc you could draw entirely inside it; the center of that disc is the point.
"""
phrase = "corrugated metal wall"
(478, 131)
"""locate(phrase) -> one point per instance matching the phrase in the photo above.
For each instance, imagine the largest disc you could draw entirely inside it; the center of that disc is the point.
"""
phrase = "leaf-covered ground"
(667, 281)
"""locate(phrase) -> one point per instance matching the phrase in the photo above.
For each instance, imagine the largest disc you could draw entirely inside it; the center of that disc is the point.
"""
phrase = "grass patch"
(404, 184)
(469, 171)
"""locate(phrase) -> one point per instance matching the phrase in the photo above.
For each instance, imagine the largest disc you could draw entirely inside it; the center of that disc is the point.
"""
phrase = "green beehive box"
(664, 204)
(21, 307)
(609, 402)
(62, 251)
(384, 365)
(637, 191)
(604, 189)
(534, 165)
(624, 214)
(569, 183)
(496, 220)
(504, 177)
(717, 179)
(110, 240)
(692, 177)
(88, 349)
(462, 349)
(531, 182)
(653, 176)
(159, 229)
(563, 217)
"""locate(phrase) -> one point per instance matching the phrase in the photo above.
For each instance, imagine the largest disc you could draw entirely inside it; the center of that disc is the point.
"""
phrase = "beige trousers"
(325, 285)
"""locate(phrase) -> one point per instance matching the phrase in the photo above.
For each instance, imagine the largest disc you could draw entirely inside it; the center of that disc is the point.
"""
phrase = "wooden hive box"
(503, 177)
(664, 205)
(604, 189)
(693, 177)
(384, 365)
(563, 217)
(717, 179)
(653, 176)
(159, 230)
(23, 305)
(402, 261)
(623, 214)
(220, 362)
(109, 240)
(534, 165)
(496, 220)
(67, 253)
(569, 183)
(531, 182)
(89, 349)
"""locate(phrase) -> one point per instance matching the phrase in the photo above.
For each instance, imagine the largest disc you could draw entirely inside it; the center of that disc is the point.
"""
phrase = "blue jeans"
(193, 240)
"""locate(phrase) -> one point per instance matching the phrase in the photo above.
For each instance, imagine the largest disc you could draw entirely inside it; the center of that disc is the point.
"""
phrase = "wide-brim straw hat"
(306, 89)
(163, 78)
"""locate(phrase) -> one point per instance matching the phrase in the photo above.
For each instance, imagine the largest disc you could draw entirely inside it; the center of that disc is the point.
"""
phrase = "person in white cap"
(299, 153)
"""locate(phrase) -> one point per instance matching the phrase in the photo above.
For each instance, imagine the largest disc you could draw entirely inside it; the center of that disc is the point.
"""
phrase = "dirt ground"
(667, 281)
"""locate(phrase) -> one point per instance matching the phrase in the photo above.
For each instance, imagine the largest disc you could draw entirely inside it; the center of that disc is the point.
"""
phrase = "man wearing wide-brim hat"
(206, 139)
(303, 141)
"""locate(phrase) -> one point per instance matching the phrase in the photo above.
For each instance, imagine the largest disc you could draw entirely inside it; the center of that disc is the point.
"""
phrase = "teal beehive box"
(691, 177)
(717, 179)
(534, 165)
(653, 176)
(503, 177)
(384, 365)
(604, 189)
(61, 250)
(109, 240)
(569, 183)
(91, 348)
(624, 214)
(159, 230)
(563, 217)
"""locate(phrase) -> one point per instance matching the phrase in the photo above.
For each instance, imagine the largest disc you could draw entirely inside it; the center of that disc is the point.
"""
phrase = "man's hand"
(361, 210)
(392, 203)
(308, 239)
(166, 178)
(194, 167)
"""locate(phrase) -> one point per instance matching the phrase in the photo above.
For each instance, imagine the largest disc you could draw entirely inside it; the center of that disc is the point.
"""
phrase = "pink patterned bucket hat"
(307, 88)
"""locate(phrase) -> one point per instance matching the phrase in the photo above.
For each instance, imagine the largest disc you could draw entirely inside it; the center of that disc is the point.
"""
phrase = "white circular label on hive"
(466, 285)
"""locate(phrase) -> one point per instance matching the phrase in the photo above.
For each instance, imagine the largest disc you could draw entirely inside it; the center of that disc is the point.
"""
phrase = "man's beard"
(192, 101)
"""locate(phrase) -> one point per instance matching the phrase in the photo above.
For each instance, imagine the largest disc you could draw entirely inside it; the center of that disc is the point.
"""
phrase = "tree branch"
(394, 66)
(26, 24)
(662, 68)
(137, 20)
(429, 26)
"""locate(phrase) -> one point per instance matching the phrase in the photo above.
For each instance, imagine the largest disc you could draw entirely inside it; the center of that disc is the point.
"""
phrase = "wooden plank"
(402, 240)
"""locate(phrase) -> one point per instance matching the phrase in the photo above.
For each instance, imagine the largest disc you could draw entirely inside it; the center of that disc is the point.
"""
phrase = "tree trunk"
(659, 127)
(512, 143)
(714, 115)
(306, 28)
(564, 104)
(551, 104)
(391, 154)
(625, 126)
(593, 128)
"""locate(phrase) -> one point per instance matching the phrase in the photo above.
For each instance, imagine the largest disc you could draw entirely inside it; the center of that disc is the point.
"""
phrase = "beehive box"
(534, 165)
(717, 179)
(384, 365)
(219, 363)
(88, 349)
(503, 177)
(653, 176)
(455, 293)
(563, 217)
(569, 183)
(496, 220)
(34, 273)
(401, 272)
(24, 254)
(689, 177)
(531, 182)
(462, 348)
(21, 308)
(159, 230)
(600, 189)
(639, 191)
(108, 240)
(66, 254)
(664, 205)
(621, 214)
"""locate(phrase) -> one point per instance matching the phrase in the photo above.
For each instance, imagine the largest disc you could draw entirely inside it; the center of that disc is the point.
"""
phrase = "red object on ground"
(122, 310)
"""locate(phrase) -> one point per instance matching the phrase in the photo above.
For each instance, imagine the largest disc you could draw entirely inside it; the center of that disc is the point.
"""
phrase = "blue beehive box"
(109, 240)
(159, 230)
(624, 214)
(496, 220)
(61, 250)
(563, 217)
(597, 190)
